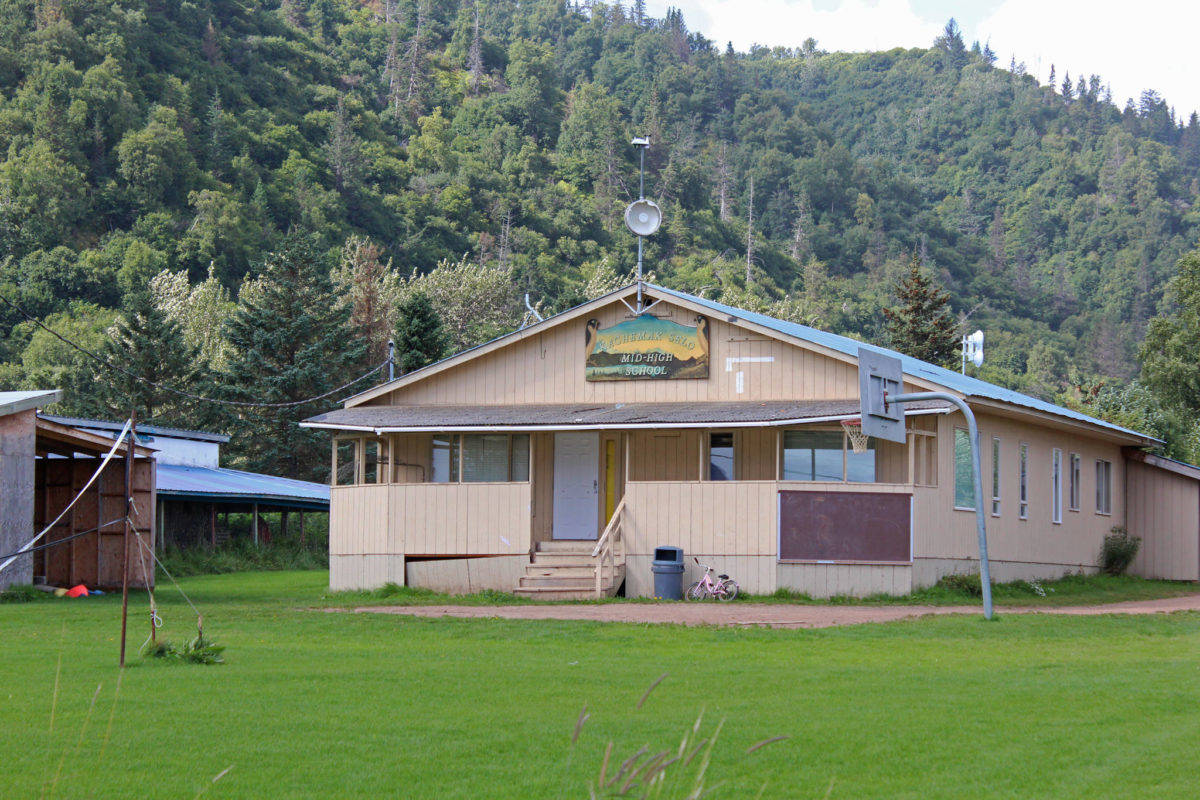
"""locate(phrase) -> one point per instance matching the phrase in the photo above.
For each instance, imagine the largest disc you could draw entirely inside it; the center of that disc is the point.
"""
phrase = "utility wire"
(57, 542)
(108, 457)
(240, 403)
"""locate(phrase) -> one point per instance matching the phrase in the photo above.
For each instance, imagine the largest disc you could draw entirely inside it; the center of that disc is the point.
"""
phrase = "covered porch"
(467, 498)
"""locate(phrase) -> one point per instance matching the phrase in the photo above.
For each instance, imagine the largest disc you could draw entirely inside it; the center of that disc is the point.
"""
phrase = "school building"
(553, 461)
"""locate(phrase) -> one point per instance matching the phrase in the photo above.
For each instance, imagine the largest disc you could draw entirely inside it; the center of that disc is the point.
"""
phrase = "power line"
(162, 387)
(64, 540)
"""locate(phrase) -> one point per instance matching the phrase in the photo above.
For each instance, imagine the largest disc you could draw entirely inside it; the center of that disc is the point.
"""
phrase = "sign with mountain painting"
(646, 348)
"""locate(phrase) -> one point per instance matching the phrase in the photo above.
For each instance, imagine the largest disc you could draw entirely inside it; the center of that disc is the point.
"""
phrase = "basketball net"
(858, 439)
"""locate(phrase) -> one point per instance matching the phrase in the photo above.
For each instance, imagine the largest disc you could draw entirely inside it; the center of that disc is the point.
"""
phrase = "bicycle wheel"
(695, 591)
(729, 590)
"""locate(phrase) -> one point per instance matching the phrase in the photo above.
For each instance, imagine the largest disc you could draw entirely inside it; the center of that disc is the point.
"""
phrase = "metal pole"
(391, 359)
(977, 473)
(256, 523)
(128, 512)
(641, 196)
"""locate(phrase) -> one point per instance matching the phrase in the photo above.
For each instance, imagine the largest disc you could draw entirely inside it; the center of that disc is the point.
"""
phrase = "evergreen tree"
(151, 345)
(420, 335)
(1168, 355)
(921, 323)
(289, 342)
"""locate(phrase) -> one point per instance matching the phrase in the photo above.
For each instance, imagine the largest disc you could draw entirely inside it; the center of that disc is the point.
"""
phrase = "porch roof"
(576, 416)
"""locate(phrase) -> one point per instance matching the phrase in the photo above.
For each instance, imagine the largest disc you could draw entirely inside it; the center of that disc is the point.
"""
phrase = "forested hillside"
(163, 150)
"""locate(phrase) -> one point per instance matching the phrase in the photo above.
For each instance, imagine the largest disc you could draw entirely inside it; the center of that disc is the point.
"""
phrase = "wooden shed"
(45, 464)
(554, 460)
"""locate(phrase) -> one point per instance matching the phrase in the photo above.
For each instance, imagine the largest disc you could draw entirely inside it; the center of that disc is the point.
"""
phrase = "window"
(1056, 483)
(1023, 482)
(720, 457)
(1103, 487)
(370, 461)
(480, 458)
(964, 479)
(1075, 488)
(995, 476)
(823, 455)
(346, 461)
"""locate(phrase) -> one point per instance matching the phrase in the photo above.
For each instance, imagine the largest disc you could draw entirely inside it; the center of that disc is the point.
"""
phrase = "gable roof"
(965, 385)
(842, 346)
(15, 402)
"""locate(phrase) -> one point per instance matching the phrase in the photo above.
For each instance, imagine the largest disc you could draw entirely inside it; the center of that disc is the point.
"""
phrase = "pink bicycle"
(723, 588)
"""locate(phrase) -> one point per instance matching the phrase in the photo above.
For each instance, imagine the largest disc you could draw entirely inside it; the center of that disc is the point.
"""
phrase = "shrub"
(967, 583)
(197, 650)
(1118, 551)
(24, 593)
(242, 556)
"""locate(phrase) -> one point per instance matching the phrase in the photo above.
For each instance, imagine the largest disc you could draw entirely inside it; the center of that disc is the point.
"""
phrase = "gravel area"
(774, 615)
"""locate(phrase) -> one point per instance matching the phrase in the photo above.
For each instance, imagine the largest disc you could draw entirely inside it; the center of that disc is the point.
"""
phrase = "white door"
(576, 485)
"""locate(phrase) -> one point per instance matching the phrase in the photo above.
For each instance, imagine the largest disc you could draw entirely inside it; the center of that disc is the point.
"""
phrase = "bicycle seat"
(723, 577)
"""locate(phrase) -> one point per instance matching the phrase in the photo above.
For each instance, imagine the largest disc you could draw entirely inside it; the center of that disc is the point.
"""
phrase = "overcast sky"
(1147, 44)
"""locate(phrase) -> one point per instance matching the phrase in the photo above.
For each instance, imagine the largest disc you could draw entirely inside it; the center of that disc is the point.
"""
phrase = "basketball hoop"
(858, 439)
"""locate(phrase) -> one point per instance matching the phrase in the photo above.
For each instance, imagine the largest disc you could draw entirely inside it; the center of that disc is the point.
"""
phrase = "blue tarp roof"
(233, 485)
(964, 384)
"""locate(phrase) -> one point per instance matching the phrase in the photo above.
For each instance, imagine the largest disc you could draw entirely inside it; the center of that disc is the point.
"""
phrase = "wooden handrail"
(612, 525)
(604, 547)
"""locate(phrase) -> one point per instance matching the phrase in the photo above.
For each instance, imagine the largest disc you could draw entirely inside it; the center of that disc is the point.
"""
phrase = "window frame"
(454, 456)
(954, 443)
(997, 484)
(733, 447)
(1056, 486)
(1023, 481)
(846, 451)
(1075, 490)
(1105, 485)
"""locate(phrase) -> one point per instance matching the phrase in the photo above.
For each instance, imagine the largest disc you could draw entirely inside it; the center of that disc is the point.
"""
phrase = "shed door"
(576, 485)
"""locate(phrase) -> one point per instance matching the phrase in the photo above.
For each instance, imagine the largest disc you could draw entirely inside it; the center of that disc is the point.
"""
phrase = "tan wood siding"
(542, 478)
(855, 580)
(430, 519)
(942, 532)
(726, 517)
(548, 368)
(1164, 510)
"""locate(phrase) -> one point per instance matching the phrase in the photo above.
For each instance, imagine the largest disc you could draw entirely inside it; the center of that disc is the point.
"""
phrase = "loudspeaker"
(643, 217)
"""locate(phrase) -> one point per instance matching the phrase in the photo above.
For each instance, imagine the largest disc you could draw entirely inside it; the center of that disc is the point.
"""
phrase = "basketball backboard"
(880, 375)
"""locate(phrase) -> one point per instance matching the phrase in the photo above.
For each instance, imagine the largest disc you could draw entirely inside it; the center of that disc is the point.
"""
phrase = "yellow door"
(610, 479)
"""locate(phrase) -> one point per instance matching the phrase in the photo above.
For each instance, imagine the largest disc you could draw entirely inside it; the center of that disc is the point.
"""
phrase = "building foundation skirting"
(928, 571)
(354, 572)
(853, 580)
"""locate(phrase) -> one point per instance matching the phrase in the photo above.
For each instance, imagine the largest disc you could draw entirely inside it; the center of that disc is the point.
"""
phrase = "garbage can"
(667, 567)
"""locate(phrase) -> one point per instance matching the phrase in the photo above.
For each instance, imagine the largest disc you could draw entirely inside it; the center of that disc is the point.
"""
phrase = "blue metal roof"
(232, 485)
(964, 384)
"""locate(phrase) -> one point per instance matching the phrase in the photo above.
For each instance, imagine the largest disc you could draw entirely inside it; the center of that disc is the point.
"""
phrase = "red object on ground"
(77, 591)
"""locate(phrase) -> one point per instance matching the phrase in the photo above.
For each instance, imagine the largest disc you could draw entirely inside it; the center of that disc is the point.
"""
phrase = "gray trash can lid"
(668, 554)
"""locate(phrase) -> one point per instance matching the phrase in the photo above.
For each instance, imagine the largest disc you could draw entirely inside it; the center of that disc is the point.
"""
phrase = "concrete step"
(566, 546)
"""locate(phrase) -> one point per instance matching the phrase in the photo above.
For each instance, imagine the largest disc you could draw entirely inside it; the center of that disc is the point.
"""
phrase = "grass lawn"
(316, 704)
(1069, 591)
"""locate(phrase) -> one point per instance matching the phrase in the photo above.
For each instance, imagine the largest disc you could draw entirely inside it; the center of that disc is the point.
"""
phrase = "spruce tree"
(921, 323)
(289, 341)
(420, 335)
(151, 345)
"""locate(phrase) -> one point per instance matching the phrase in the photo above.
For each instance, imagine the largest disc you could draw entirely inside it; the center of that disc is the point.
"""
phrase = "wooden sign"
(646, 348)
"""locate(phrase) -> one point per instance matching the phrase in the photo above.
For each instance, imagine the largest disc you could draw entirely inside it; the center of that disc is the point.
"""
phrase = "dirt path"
(774, 615)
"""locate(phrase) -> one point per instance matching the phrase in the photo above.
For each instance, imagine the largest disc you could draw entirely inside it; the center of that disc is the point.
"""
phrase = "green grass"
(1071, 590)
(318, 704)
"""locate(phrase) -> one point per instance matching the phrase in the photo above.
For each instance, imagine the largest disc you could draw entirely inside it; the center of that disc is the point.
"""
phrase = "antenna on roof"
(642, 216)
(972, 350)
